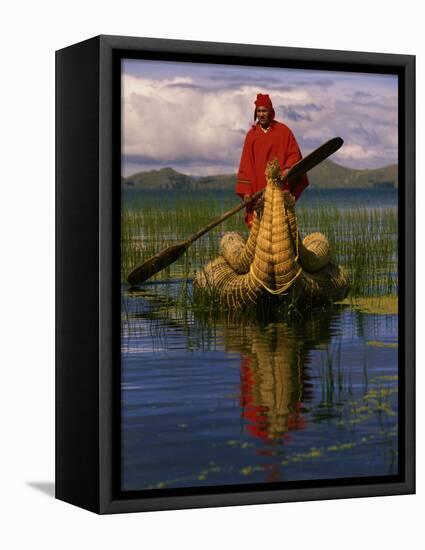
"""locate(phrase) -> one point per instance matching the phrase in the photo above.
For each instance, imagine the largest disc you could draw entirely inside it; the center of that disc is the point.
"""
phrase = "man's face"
(263, 116)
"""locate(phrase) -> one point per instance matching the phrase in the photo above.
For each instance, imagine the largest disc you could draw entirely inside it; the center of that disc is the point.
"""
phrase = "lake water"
(238, 401)
(341, 198)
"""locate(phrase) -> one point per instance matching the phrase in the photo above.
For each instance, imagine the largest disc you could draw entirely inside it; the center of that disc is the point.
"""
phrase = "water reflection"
(274, 382)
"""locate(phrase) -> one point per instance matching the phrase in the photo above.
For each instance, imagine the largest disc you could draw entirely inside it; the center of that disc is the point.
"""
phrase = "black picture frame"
(87, 244)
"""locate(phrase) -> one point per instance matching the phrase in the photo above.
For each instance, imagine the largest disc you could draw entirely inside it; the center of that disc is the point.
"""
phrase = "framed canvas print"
(235, 274)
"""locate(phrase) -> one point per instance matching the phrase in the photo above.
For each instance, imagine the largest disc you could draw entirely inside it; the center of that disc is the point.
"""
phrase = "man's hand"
(249, 206)
(256, 204)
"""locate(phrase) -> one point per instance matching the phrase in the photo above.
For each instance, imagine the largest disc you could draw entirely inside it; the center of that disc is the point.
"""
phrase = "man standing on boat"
(266, 140)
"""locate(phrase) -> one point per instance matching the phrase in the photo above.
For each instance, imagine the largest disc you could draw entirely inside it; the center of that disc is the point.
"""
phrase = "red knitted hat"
(263, 100)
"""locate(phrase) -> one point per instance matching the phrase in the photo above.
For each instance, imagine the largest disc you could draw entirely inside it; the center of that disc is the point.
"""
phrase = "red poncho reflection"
(267, 412)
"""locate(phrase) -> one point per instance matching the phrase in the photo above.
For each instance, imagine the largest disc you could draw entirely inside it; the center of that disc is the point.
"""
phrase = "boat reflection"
(273, 371)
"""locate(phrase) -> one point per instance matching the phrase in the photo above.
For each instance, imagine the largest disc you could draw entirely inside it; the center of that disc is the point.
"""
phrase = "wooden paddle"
(168, 255)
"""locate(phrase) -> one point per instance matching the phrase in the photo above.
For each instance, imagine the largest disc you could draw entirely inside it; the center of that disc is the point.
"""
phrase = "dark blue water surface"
(237, 402)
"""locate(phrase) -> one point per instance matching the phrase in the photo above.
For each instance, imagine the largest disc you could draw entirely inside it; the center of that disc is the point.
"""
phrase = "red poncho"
(260, 147)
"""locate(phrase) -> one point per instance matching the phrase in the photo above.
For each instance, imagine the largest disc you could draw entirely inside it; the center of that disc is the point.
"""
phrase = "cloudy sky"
(194, 117)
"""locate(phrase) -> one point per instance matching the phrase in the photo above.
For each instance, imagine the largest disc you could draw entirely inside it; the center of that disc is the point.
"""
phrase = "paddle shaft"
(165, 257)
(297, 170)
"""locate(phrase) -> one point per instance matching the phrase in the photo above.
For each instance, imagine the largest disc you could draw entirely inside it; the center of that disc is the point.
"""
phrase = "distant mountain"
(166, 178)
(327, 175)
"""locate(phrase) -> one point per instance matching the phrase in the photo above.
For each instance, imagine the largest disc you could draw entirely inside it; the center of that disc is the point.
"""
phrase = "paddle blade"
(314, 158)
(157, 263)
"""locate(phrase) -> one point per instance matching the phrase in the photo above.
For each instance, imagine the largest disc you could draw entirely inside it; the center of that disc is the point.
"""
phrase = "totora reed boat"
(274, 261)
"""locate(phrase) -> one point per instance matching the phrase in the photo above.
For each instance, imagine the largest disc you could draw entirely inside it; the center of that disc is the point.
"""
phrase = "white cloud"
(355, 151)
(166, 122)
